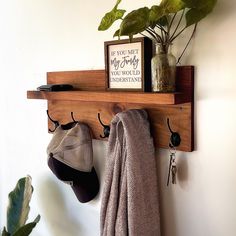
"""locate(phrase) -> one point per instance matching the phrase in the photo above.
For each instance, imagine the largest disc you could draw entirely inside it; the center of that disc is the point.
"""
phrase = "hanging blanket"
(130, 204)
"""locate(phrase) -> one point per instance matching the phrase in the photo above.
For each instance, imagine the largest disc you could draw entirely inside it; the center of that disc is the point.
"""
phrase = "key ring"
(172, 149)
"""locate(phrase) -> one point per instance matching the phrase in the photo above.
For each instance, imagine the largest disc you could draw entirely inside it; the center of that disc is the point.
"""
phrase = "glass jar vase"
(163, 70)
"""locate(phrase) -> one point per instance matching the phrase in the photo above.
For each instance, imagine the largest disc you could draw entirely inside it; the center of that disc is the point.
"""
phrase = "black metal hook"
(175, 138)
(106, 128)
(55, 122)
(72, 116)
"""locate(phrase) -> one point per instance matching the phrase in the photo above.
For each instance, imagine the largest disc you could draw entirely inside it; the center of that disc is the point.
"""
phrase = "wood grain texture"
(179, 115)
(114, 97)
(81, 80)
(178, 107)
(185, 81)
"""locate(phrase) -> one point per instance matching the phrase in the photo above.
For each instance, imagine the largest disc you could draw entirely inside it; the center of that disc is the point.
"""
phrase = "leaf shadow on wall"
(55, 212)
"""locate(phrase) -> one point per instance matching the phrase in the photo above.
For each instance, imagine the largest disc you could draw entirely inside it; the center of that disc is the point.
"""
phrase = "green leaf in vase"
(110, 17)
(155, 14)
(171, 6)
(199, 11)
(135, 22)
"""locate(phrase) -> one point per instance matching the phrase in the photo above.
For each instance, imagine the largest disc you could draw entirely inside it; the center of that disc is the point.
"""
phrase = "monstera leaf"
(18, 210)
(111, 17)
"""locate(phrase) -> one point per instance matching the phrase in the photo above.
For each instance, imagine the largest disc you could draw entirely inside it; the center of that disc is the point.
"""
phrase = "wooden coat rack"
(90, 98)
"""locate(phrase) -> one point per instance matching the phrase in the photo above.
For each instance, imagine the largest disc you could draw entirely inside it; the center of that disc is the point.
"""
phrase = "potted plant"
(18, 210)
(162, 23)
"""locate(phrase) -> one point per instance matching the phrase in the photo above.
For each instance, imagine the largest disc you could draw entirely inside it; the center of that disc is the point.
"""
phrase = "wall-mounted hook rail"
(175, 138)
(55, 122)
(90, 96)
(106, 128)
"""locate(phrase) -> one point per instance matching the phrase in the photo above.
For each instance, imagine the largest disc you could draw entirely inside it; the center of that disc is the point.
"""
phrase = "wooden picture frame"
(128, 64)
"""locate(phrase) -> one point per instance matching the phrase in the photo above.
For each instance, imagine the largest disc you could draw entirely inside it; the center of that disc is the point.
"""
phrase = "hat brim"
(85, 184)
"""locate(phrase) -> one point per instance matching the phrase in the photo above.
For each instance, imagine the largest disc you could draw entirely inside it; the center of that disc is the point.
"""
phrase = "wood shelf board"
(90, 86)
(180, 120)
(95, 80)
(88, 80)
(113, 97)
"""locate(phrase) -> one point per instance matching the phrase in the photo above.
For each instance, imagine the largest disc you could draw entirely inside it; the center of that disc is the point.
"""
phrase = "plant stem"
(160, 27)
(171, 22)
(153, 39)
(194, 30)
(155, 35)
(180, 19)
(164, 33)
(152, 34)
(162, 36)
(180, 32)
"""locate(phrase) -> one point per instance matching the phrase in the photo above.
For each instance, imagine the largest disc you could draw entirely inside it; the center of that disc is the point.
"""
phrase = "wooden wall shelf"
(90, 97)
(114, 97)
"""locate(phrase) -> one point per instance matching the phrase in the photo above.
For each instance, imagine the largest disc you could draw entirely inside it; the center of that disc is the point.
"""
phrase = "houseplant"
(162, 23)
(18, 210)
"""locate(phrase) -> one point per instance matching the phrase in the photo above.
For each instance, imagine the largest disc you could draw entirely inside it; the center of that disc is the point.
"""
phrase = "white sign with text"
(125, 67)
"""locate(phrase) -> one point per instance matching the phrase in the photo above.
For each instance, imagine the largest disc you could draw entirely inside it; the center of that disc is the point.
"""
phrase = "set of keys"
(174, 142)
(172, 169)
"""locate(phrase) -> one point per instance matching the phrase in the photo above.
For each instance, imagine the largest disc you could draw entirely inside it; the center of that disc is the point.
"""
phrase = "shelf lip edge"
(111, 97)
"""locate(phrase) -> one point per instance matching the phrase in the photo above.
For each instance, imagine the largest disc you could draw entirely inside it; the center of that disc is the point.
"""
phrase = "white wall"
(50, 35)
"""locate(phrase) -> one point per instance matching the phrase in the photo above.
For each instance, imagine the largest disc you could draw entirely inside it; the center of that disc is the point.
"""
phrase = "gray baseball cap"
(70, 158)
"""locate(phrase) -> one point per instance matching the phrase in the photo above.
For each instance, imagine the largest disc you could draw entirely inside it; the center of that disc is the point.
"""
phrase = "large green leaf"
(208, 6)
(18, 208)
(193, 16)
(195, 3)
(171, 6)
(111, 17)
(205, 5)
(155, 14)
(163, 21)
(200, 11)
(27, 229)
(159, 13)
(135, 22)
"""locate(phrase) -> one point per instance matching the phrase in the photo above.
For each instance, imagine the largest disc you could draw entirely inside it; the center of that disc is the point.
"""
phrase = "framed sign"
(128, 64)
